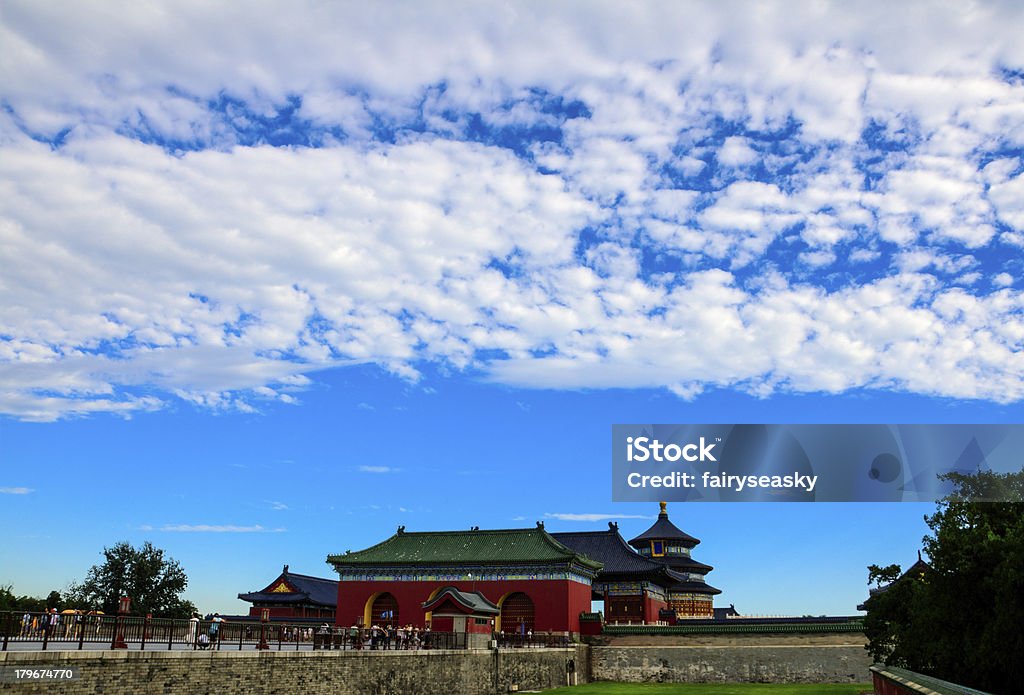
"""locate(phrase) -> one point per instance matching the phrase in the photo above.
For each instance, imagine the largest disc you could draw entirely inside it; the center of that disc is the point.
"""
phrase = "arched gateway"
(517, 614)
(382, 611)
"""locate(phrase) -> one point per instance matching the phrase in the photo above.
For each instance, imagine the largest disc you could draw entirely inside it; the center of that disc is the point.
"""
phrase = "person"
(353, 634)
(193, 629)
(53, 623)
(215, 627)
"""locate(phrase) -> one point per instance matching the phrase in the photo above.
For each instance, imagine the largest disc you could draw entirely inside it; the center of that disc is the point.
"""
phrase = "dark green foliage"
(10, 602)
(961, 619)
(153, 581)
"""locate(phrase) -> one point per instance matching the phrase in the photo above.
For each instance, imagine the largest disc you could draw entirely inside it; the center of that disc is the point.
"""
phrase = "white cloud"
(16, 490)
(736, 152)
(593, 517)
(165, 248)
(217, 528)
(378, 469)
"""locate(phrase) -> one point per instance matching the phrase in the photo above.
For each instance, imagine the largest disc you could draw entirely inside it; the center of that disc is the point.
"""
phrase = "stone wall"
(734, 639)
(760, 662)
(692, 659)
(475, 672)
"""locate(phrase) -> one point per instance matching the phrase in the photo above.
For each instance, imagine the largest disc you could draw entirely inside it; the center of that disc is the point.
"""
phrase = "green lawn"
(712, 689)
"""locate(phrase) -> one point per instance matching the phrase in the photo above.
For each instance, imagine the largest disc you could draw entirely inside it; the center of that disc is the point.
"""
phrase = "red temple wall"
(651, 608)
(442, 624)
(578, 597)
(557, 604)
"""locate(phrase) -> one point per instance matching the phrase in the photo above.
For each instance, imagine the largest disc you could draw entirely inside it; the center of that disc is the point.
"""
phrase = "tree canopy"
(9, 601)
(152, 580)
(960, 620)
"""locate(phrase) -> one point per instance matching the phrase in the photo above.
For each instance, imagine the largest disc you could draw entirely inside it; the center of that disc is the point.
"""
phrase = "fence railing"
(92, 631)
(538, 639)
(890, 680)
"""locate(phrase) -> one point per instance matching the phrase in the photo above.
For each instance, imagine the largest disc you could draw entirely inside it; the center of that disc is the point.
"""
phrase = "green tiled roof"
(530, 545)
(734, 626)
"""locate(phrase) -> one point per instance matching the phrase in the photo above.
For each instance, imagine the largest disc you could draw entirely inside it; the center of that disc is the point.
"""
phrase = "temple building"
(463, 612)
(535, 582)
(919, 570)
(295, 596)
(634, 588)
(690, 596)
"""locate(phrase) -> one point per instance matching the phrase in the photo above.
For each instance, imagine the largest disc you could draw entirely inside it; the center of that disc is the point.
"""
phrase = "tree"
(153, 581)
(961, 620)
(10, 602)
(54, 600)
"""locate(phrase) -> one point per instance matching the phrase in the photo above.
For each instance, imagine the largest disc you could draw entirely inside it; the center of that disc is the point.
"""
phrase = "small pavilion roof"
(500, 547)
(290, 587)
(664, 530)
(472, 602)
(611, 550)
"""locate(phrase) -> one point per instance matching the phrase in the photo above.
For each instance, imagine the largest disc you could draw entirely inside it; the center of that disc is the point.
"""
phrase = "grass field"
(713, 689)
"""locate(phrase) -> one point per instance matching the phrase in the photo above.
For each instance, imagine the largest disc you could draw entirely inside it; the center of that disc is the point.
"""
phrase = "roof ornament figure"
(613, 526)
(285, 570)
(540, 524)
(401, 529)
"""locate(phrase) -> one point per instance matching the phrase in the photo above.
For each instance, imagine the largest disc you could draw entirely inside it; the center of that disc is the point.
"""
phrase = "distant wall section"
(759, 658)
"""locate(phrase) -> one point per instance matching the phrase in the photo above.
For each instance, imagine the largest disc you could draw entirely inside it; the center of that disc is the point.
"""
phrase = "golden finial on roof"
(663, 506)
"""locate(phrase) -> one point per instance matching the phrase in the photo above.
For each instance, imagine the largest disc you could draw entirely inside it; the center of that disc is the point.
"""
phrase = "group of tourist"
(388, 637)
(54, 625)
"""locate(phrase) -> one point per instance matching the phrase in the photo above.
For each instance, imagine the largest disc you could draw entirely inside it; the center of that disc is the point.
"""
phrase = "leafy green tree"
(54, 600)
(9, 601)
(152, 580)
(961, 620)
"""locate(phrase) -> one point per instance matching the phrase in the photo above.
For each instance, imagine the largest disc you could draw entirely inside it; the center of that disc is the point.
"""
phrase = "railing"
(539, 639)
(399, 640)
(799, 626)
(889, 680)
(81, 631)
(45, 631)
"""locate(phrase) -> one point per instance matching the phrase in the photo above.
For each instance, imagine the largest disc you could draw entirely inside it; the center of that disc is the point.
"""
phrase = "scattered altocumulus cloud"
(378, 469)
(671, 195)
(593, 517)
(215, 528)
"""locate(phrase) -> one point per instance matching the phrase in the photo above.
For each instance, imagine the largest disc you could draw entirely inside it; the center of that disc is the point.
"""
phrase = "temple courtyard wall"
(454, 672)
(730, 658)
(828, 658)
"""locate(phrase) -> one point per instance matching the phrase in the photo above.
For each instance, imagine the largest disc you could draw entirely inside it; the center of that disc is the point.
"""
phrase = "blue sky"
(277, 279)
